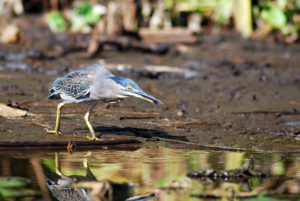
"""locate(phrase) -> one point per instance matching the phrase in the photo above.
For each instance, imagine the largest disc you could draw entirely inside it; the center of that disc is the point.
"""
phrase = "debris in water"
(234, 175)
(13, 182)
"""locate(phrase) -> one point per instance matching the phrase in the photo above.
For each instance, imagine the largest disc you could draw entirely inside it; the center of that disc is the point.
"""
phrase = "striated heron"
(91, 84)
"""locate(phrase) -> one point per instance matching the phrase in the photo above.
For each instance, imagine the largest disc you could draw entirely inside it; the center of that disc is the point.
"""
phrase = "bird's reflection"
(85, 188)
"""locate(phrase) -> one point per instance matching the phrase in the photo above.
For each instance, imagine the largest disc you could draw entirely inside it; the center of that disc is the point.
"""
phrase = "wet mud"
(231, 93)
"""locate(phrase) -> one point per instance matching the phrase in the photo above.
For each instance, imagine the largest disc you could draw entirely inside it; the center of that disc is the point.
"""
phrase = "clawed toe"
(93, 138)
(56, 132)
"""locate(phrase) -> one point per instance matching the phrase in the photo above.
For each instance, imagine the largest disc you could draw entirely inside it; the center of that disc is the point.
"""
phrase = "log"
(154, 68)
(174, 35)
(155, 41)
(127, 42)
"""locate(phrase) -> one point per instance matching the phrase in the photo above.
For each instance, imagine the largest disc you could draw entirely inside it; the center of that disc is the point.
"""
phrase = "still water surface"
(149, 170)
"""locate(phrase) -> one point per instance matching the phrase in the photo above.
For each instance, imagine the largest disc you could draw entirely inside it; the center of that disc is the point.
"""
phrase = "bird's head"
(130, 88)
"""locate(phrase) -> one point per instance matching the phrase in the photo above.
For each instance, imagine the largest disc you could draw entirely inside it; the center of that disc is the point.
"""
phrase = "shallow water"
(157, 169)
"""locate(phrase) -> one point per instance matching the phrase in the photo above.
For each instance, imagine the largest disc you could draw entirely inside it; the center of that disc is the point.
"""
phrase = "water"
(153, 169)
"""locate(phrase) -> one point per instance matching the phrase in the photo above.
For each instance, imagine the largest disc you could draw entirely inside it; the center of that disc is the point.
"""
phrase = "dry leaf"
(11, 34)
(10, 112)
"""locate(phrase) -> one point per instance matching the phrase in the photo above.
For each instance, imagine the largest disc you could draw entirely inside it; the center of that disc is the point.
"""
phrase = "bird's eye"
(129, 88)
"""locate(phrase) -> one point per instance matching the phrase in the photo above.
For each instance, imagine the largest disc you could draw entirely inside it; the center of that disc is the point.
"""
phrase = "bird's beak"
(145, 96)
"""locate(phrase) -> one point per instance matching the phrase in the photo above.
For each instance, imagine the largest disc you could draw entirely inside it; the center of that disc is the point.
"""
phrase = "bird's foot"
(94, 138)
(56, 132)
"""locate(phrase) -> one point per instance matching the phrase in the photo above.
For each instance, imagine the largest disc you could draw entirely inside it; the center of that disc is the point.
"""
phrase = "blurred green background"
(251, 18)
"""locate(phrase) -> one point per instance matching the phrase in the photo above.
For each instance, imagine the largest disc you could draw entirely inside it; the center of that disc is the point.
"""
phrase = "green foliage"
(192, 5)
(279, 14)
(86, 15)
(13, 182)
(49, 163)
(281, 3)
(6, 193)
(83, 16)
(297, 4)
(274, 15)
(161, 182)
(85, 11)
(222, 11)
(56, 21)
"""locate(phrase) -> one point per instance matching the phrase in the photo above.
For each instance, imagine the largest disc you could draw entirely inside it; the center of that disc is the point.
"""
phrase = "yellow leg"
(57, 124)
(57, 165)
(86, 119)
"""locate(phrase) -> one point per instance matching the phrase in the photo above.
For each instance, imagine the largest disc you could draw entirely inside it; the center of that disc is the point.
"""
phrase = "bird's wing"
(77, 83)
(76, 87)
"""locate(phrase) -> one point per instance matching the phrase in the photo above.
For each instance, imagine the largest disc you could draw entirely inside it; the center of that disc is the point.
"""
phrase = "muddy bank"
(230, 92)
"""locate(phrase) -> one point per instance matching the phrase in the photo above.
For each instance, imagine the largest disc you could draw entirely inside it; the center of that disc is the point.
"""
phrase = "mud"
(243, 90)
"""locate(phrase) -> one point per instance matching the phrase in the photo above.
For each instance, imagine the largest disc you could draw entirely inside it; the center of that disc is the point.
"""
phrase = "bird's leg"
(57, 165)
(86, 119)
(57, 124)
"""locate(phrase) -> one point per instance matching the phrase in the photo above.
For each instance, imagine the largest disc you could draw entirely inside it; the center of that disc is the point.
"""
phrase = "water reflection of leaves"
(12, 187)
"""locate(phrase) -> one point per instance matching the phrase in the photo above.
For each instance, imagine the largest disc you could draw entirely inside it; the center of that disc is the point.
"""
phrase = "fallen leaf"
(11, 34)
(9, 112)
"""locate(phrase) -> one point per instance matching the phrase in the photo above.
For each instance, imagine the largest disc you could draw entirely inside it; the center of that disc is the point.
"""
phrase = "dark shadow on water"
(133, 131)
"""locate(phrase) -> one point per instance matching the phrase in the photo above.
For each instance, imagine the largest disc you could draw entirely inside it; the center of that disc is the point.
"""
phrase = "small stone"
(228, 125)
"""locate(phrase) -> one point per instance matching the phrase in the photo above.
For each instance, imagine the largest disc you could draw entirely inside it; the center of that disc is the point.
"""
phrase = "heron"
(90, 85)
